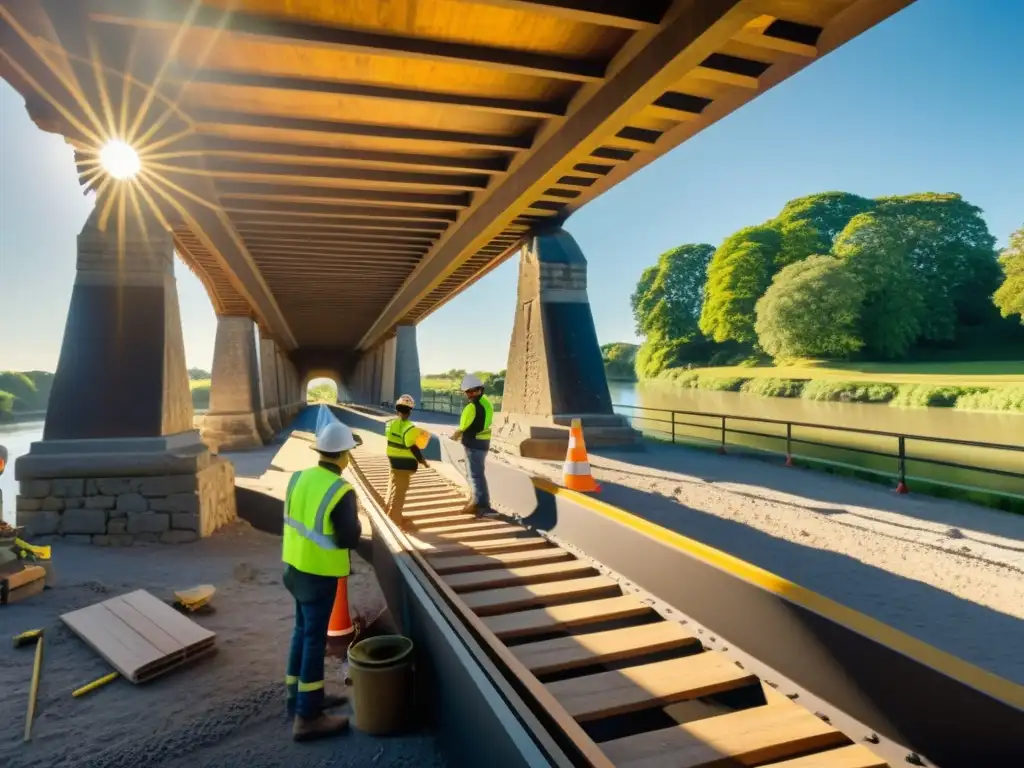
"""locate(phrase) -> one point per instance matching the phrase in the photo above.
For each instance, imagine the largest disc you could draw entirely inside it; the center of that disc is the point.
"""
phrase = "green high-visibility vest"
(469, 415)
(308, 531)
(401, 437)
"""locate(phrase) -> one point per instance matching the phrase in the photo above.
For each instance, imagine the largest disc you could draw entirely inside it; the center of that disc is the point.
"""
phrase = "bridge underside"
(335, 172)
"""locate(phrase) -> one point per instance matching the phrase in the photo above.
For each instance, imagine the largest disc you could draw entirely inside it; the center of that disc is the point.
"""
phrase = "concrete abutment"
(235, 420)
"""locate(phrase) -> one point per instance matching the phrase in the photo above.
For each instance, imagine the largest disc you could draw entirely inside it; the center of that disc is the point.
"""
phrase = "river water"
(947, 423)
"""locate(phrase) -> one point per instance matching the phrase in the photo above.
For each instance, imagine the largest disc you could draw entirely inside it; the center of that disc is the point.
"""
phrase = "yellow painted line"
(950, 665)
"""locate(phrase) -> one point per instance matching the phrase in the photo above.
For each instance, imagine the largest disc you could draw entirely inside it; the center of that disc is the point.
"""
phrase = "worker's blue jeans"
(304, 679)
(477, 478)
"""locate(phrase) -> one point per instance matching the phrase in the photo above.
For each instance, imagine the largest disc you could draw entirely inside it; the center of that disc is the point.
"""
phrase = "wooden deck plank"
(503, 544)
(153, 633)
(122, 647)
(853, 756)
(648, 685)
(492, 601)
(558, 617)
(531, 574)
(183, 629)
(612, 645)
(475, 525)
(500, 560)
(494, 531)
(749, 737)
(441, 519)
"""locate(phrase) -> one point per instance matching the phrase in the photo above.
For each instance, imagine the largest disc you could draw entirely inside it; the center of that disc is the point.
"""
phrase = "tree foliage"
(789, 315)
(739, 274)
(1010, 296)
(198, 374)
(666, 306)
(809, 225)
(619, 360)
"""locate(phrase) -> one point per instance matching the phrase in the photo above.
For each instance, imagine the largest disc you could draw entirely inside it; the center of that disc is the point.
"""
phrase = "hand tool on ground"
(25, 638)
(108, 678)
(195, 598)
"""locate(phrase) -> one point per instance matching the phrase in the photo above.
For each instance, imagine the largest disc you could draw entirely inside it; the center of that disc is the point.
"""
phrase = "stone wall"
(119, 511)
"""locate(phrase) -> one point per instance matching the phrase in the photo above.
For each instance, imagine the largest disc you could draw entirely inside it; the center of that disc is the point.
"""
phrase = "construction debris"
(23, 583)
(36, 636)
(95, 684)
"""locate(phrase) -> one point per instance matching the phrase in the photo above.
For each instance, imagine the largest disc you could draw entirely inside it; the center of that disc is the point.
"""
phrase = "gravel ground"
(227, 710)
(946, 572)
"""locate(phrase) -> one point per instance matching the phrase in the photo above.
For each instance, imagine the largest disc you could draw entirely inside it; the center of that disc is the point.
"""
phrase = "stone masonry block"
(131, 503)
(78, 538)
(74, 502)
(117, 486)
(51, 504)
(35, 489)
(91, 487)
(179, 502)
(66, 487)
(148, 522)
(117, 525)
(185, 521)
(25, 504)
(167, 486)
(100, 502)
(147, 538)
(105, 540)
(83, 521)
(40, 523)
(178, 537)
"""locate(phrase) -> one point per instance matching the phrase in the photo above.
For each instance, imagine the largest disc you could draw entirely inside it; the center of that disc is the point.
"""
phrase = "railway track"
(622, 683)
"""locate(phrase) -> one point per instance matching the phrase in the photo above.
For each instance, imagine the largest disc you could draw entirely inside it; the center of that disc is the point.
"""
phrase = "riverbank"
(978, 386)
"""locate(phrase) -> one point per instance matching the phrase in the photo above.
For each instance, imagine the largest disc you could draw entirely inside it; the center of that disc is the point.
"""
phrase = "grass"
(1006, 399)
(964, 374)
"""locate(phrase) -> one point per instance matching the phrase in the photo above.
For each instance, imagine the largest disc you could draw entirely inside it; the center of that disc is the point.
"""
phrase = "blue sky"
(933, 99)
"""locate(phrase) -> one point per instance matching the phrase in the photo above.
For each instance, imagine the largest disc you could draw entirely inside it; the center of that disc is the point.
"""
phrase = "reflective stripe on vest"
(485, 433)
(396, 439)
(308, 541)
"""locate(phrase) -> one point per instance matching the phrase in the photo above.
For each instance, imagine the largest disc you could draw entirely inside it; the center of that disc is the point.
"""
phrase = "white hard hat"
(335, 438)
(469, 381)
(407, 401)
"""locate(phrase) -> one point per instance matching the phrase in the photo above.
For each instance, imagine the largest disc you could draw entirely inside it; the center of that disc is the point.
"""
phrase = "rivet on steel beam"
(792, 695)
(872, 738)
(822, 716)
(914, 759)
(770, 684)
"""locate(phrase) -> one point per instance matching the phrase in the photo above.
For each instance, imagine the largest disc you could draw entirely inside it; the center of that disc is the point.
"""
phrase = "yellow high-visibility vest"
(308, 531)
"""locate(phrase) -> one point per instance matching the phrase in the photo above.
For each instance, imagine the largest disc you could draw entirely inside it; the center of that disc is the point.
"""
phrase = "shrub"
(201, 396)
(848, 391)
(680, 377)
(22, 389)
(774, 387)
(1002, 399)
(721, 383)
(927, 396)
(6, 406)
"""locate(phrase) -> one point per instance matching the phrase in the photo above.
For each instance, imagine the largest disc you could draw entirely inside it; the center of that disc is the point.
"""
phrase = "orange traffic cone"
(576, 473)
(340, 628)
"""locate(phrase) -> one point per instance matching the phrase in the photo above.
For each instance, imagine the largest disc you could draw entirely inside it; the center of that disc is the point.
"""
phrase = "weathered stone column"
(268, 379)
(407, 364)
(555, 370)
(386, 394)
(284, 402)
(233, 422)
(119, 461)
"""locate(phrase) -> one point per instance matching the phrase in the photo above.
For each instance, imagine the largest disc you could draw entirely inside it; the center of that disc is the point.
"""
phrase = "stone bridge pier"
(387, 372)
(119, 460)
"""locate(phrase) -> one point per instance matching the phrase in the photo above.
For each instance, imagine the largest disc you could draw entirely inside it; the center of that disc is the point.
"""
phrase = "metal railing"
(900, 457)
(450, 402)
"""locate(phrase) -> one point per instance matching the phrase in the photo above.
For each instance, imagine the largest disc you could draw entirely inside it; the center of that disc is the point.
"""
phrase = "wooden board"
(532, 574)
(648, 685)
(139, 635)
(470, 527)
(492, 531)
(492, 601)
(440, 519)
(543, 620)
(596, 647)
(502, 544)
(853, 756)
(499, 560)
(749, 737)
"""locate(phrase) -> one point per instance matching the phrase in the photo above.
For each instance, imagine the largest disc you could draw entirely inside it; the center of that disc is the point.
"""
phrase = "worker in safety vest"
(321, 526)
(403, 455)
(474, 433)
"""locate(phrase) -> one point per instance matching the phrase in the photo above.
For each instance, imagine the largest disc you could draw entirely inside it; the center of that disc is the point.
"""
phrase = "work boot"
(330, 702)
(319, 727)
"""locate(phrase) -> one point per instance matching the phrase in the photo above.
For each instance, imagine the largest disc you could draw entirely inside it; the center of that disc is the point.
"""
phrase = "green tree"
(875, 251)
(789, 315)
(23, 389)
(667, 304)
(739, 273)
(809, 225)
(1010, 296)
(619, 360)
(198, 374)
(953, 255)
(6, 406)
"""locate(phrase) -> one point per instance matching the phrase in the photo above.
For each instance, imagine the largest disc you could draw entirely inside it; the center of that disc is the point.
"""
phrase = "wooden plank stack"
(139, 635)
